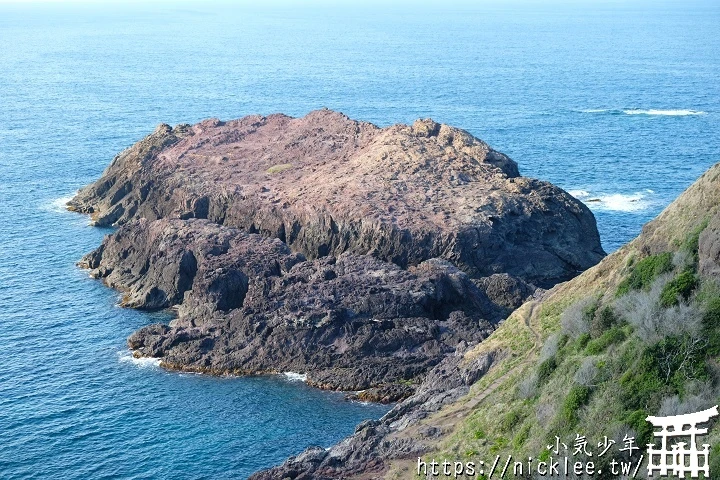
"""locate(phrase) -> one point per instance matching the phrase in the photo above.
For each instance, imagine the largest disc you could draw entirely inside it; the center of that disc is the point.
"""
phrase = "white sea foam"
(57, 205)
(616, 202)
(579, 194)
(669, 113)
(624, 203)
(295, 377)
(142, 362)
(643, 111)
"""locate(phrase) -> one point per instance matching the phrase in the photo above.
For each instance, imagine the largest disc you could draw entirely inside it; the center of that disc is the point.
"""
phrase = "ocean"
(616, 102)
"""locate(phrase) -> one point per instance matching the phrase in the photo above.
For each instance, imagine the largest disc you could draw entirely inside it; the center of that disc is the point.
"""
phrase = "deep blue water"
(615, 103)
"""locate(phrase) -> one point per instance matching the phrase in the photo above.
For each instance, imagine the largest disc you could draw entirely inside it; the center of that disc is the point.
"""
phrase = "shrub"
(578, 397)
(587, 373)
(650, 321)
(678, 359)
(576, 319)
(544, 412)
(546, 369)
(528, 387)
(683, 259)
(510, 420)
(604, 319)
(641, 386)
(550, 347)
(711, 325)
(582, 341)
(644, 272)
(690, 245)
(715, 458)
(678, 288)
(663, 369)
(597, 346)
(643, 428)
(698, 396)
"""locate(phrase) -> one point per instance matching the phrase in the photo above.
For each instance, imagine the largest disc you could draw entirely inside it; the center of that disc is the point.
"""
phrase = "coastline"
(380, 318)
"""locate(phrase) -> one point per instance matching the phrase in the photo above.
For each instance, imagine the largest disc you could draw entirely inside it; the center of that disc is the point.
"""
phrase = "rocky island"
(366, 258)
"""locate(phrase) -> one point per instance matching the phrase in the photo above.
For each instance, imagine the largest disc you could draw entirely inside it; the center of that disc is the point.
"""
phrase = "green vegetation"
(279, 168)
(715, 458)
(582, 341)
(546, 369)
(608, 361)
(643, 429)
(690, 245)
(510, 420)
(603, 319)
(711, 326)
(679, 287)
(615, 335)
(578, 397)
(645, 271)
(521, 437)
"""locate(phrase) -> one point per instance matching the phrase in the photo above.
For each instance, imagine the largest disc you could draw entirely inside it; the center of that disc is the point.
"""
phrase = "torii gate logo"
(682, 457)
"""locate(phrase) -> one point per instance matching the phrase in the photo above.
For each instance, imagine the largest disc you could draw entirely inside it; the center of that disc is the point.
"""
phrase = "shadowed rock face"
(325, 184)
(247, 304)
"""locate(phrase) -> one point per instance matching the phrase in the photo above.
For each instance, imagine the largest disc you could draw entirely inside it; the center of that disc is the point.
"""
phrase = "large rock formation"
(325, 184)
(247, 304)
(363, 257)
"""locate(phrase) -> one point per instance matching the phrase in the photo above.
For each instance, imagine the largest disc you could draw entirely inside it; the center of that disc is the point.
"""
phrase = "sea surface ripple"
(620, 106)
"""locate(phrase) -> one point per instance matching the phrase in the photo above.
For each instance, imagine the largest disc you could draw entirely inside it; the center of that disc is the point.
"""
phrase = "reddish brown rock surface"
(325, 184)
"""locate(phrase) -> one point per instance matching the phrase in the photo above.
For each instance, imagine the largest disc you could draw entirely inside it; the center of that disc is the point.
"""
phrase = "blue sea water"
(616, 102)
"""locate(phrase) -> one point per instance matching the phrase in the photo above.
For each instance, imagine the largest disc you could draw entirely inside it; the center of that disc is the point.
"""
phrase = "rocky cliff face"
(247, 304)
(367, 258)
(325, 184)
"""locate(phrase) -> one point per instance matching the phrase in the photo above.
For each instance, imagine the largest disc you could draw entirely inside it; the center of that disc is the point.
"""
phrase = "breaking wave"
(295, 377)
(616, 202)
(640, 111)
(58, 205)
(668, 113)
(142, 362)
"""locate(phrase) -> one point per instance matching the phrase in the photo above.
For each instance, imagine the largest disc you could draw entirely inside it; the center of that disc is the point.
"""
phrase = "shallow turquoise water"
(616, 105)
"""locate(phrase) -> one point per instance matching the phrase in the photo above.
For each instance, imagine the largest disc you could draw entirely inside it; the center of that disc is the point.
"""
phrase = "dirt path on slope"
(470, 405)
(448, 417)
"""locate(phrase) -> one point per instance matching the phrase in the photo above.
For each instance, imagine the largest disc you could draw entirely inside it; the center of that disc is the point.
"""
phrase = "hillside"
(636, 335)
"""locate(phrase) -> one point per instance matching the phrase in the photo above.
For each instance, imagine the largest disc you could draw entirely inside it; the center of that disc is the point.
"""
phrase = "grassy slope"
(509, 412)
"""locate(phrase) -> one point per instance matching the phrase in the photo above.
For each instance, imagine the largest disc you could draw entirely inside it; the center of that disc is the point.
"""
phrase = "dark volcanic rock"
(506, 291)
(325, 184)
(247, 304)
